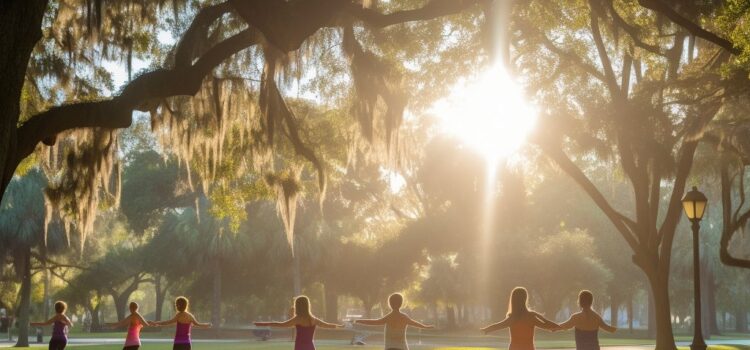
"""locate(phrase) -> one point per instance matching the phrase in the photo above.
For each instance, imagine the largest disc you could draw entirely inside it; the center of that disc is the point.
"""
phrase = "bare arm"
(45, 323)
(603, 325)
(143, 320)
(286, 324)
(198, 324)
(166, 323)
(497, 326)
(570, 323)
(545, 323)
(417, 324)
(324, 324)
(121, 323)
(371, 322)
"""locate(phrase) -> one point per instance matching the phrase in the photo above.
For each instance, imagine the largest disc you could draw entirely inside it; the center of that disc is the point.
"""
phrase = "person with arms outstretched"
(586, 323)
(135, 322)
(184, 321)
(395, 323)
(303, 322)
(60, 324)
(521, 321)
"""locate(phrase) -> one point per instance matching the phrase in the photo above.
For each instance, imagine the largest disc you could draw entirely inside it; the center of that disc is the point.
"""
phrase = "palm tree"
(22, 230)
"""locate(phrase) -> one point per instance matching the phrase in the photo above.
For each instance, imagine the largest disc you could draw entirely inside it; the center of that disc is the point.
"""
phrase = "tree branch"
(433, 9)
(117, 112)
(623, 224)
(695, 29)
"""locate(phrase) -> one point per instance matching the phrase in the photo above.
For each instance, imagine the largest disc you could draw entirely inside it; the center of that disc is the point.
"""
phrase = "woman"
(135, 322)
(395, 324)
(184, 321)
(304, 323)
(587, 323)
(521, 322)
(60, 323)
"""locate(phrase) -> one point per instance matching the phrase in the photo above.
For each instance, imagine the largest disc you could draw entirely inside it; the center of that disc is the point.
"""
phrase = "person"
(135, 322)
(522, 321)
(184, 321)
(586, 323)
(60, 324)
(395, 324)
(303, 322)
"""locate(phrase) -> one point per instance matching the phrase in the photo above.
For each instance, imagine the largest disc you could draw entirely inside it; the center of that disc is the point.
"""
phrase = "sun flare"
(490, 113)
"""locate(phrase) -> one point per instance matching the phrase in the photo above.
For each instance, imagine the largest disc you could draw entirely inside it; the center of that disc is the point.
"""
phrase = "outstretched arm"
(418, 324)
(545, 323)
(198, 324)
(371, 322)
(286, 324)
(45, 323)
(603, 325)
(122, 323)
(143, 320)
(165, 323)
(324, 324)
(570, 323)
(497, 326)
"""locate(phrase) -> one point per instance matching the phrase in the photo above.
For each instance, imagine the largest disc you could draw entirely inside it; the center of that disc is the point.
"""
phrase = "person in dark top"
(586, 323)
(60, 324)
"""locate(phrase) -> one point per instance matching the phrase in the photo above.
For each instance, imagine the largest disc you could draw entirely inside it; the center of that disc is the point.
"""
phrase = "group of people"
(183, 320)
(520, 320)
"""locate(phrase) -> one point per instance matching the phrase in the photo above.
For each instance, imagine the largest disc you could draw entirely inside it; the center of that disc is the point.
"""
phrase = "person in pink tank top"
(184, 322)
(134, 322)
(303, 322)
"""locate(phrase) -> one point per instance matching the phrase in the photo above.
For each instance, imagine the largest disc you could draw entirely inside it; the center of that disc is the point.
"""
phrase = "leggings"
(57, 344)
(131, 347)
(182, 347)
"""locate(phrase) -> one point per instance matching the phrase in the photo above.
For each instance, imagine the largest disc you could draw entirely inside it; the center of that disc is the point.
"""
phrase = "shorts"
(182, 347)
(57, 344)
(131, 347)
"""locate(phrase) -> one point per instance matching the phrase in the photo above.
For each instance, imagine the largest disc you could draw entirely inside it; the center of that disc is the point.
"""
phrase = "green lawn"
(288, 345)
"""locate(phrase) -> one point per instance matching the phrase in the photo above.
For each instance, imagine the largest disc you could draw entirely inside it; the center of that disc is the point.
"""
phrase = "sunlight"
(489, 113)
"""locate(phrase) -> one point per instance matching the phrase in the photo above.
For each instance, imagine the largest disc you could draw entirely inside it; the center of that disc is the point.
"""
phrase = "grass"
(323, 346)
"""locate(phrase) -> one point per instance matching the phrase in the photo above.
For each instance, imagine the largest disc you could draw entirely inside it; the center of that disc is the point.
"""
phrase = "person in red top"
(521, 321)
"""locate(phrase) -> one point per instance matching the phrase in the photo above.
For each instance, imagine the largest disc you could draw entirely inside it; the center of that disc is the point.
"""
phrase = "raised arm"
(371, 322)
(286, 324)
(497, 326)
(544, 323)
(324, 324)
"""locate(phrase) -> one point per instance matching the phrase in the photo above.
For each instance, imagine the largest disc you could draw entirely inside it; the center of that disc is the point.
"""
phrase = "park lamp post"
(694, 204)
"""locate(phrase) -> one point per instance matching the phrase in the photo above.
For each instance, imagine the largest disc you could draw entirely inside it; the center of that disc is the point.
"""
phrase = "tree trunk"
(45, 298)
(631, 316)
(651, 314)
(296, 274)
(450, 311)
(367, 305)
(216, 295)
(332, 304)
(614, 309)
(121, 304)
(161, 292)
(662, 313)
(710, 304)
(23, 308)
(96, 323)
(741, 320)
(20, 29)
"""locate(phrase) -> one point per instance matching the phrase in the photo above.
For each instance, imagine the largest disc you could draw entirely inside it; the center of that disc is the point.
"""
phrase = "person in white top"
(395, 324)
